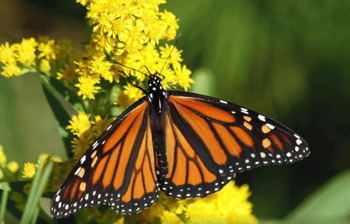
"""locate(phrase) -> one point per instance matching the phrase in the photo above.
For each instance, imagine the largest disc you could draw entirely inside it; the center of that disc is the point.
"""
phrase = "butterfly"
(184, 144)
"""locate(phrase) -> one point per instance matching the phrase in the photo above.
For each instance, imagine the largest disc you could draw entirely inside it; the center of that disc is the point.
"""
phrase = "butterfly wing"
(118, 169)
(209, 140)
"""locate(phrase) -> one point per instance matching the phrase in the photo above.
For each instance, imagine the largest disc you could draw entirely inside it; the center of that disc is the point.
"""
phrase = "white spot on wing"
(261, 117)
(244, 110)
(95, 145)
(270, 126)
(82, 160)
(77, 171)
(224, 102)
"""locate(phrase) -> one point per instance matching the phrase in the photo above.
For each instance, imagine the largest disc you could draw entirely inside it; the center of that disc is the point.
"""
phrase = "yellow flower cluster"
(86, 130)
(20, 58)
(229, 205)
(12, 166)
(126, 32)
(126, 26)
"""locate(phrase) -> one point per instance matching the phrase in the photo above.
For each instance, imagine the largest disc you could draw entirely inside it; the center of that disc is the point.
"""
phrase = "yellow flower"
(87, 87)
(100, 67)
(148, 57)
(43, 39)
(128, 25)
(47, 50)
(174, 57)
(45, 66)
(80, 145)
(43, 159)
(220, 210)
(12, 166)
(170, 217)
(67, 75)
(83, 2)
(100, 124)
(79, 124)
(29, 170)
(7, 53)
(1, 174)
(171, 21)
(10, 70)
(133, 92)
(123, 100)
(27, 187)
(3, 158)
(183, 77)
(56, 159)
(26, 52)
(63, 48)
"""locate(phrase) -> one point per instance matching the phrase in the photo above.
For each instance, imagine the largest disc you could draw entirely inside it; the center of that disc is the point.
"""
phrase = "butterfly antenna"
(129, 67)
(170, 52)
(147, 69)
(140, 88)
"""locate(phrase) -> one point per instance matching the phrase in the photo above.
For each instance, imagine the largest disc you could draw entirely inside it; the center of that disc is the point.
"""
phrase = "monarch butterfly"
(185, 144)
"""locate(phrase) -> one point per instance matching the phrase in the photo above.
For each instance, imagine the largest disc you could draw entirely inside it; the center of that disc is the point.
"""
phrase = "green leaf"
(4, 196)
(66, 94)
(5, 186)
(62, 117)
(329, 204)
(31, 209)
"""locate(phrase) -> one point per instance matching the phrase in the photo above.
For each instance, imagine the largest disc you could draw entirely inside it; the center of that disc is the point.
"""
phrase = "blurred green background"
(288, 60)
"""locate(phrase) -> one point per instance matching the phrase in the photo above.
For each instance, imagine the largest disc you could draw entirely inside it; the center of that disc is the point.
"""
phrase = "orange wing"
(118, 169)
(209, 140)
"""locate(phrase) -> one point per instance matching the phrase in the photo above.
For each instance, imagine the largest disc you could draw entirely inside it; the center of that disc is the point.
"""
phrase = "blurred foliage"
(286, 59)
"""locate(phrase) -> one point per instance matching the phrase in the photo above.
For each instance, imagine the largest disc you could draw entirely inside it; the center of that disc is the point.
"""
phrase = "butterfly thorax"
(157, 99)
(156, 93)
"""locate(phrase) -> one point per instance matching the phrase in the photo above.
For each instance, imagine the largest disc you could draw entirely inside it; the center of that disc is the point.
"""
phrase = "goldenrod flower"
(56, 159)
(68, 75)
(80, 145)
(29, 170)
(183, 77)
(79, 124)
(43, 159)
(229, 205)
(100, 125)
(43, 39)
(133, 92)
(131, 23)
(63, 48)
(87, 87)
(45, 66)
(123, 100)
(26, 52)
(47, 50)
(11, 69)
(27, 187)
(170, 217)
(174, 57)
(12, 166)
(3, 158)
(99, 66)
(7, 53)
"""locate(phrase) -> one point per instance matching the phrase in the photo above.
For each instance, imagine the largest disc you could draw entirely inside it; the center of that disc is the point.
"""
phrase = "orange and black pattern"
(185, 144)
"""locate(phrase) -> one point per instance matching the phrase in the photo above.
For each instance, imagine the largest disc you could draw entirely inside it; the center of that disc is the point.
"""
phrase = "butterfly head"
(156, 92)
